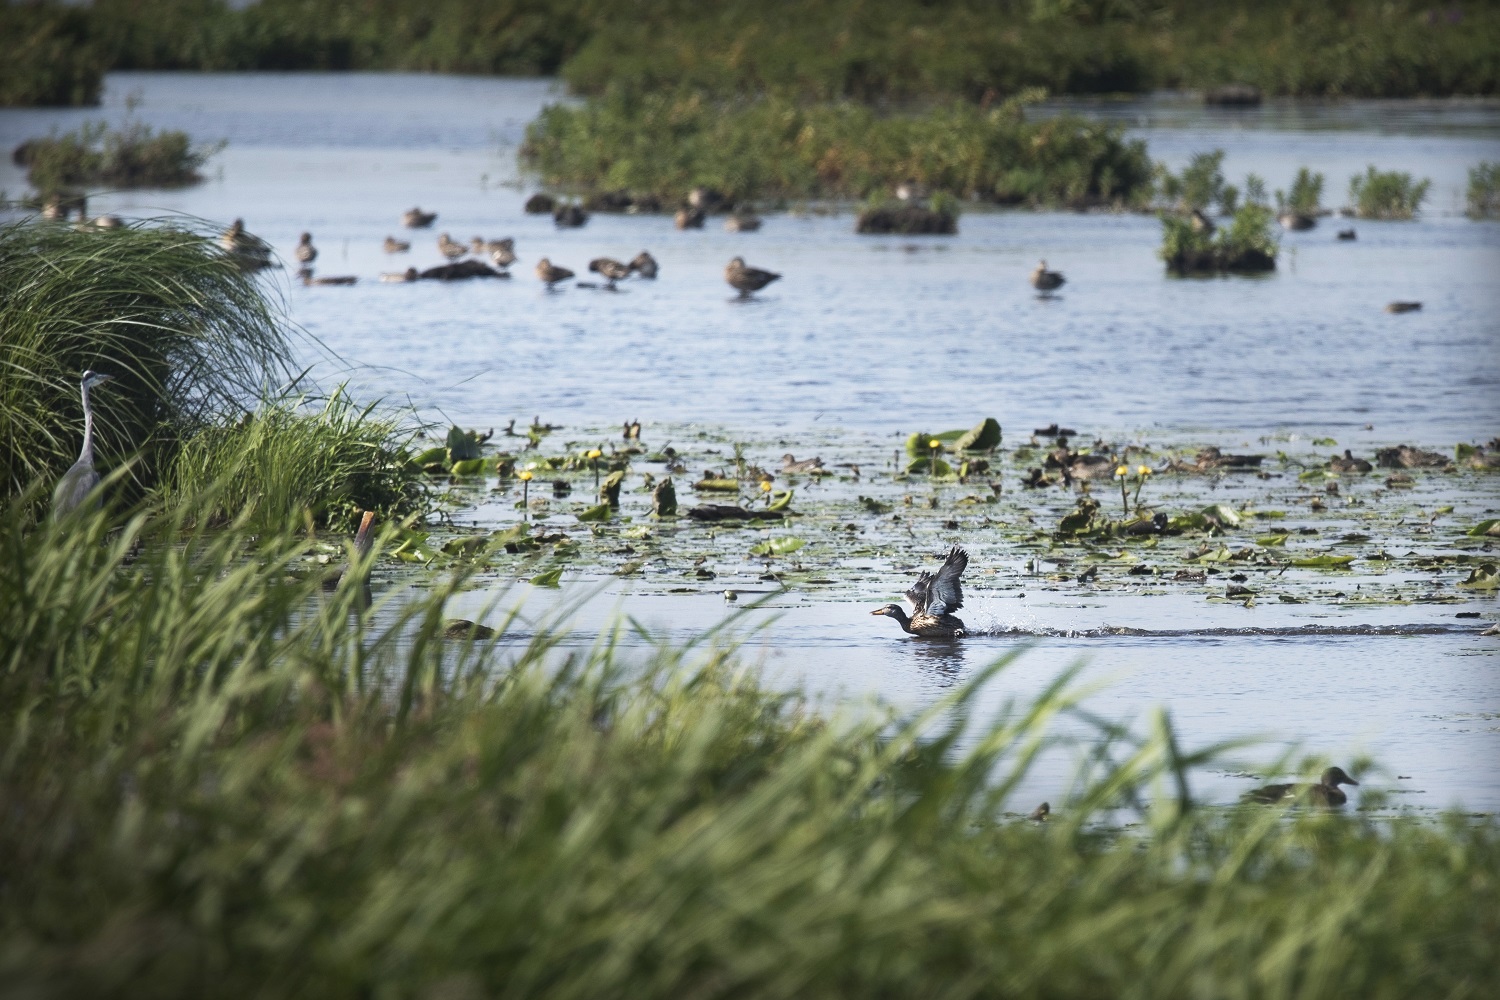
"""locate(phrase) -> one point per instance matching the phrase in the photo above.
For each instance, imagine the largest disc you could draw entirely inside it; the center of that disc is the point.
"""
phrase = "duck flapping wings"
(941, 593)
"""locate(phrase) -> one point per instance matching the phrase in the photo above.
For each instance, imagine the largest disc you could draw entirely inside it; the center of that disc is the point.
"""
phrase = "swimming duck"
(1296, 221)
(450, 248)
(415, 218)
(1348, 463)
(1348, 234)
(569, 216)
(742, 222)
(747, 279)
(502, 252)
(1040, 813)
(550, 273)
(934, 598)
(645, 265)
(1403, 307)
(108, 222)
(689, 218)
(1325, 793)
(1046, 281)
(393, 245)
(705, 199)
(306, 252)
(790, 464)
(343, 279)
(611, 269)
(410, 274)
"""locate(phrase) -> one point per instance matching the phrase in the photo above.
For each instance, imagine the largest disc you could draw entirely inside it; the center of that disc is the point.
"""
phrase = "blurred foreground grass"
(221, 779)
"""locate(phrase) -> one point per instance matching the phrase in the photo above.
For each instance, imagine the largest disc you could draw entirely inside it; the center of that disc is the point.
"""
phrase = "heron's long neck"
(88, 426)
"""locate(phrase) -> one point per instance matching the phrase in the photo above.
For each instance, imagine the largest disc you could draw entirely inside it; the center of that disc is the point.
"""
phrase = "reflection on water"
(885, 335)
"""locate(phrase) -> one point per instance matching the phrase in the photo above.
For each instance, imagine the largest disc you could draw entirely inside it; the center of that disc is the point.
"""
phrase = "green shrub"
(1199, 187)
(1307, 194)
(663, 145)
(129, 157)
(291, 459)
(1386, 195)
(186, 333)
(1248, 244)
(220, 780)
(48, 56)
(1484, 191)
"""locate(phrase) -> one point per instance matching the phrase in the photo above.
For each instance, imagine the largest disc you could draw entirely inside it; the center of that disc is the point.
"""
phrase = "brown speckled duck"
(745, 279)
(934, 598)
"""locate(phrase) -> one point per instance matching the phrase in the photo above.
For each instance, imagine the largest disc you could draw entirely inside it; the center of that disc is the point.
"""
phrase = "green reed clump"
(1484, 191)
(1388, 194)
(49, 57)
(1248, 244)
(292, 457)
(662, 145)
(220, 779)
(1200, 186)
(188, 336)
(132, 156)
(1306, 195)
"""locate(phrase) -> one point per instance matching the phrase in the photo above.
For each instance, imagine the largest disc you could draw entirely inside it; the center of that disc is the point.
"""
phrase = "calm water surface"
(873, 337)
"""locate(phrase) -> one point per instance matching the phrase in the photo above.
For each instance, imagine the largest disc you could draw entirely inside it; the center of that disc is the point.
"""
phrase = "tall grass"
(293, 458)
(219, 780)
(1386, 194)
(1306, 195)
(129, 157)
(1484, 191)
(50, 56)
(662, 145)
(187, 334)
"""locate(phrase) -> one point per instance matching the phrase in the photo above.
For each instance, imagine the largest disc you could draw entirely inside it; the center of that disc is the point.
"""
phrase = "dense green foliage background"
(818, 49)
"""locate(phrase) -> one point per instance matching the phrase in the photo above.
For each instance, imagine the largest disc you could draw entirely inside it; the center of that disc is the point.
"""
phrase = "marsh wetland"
(1318, 608)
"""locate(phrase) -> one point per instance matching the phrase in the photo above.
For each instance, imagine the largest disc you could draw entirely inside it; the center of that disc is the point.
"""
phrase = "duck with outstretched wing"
(934, 598)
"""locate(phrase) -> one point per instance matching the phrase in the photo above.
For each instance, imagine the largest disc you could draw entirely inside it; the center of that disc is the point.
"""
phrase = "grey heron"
(77, 484)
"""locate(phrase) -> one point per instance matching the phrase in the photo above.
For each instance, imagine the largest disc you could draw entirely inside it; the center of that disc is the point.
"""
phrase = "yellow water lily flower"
(934, 443)
(1122, 472)
(524, 475)
(1143, 470)
(595, 453)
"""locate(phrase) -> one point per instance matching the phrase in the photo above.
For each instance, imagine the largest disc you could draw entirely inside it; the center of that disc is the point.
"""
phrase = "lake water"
(868, 339)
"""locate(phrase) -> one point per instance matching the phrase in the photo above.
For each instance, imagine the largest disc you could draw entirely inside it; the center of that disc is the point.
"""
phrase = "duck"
(450, 248)
(611, 269)
(1403, 307)
(934, 598)
(306, 252)
(502, 257)
(550, 273)
(747, 279)
(393, 245)
(1046, 281)
(1348, 234)
(343, 279)
(645, 265)
(705, 199)
(1201, 223)
(689, 218)
(1325, 793)
(743, 221)
(1348, 463)
(415, 218)
(410, 274)
(790, 464)
(1040, 813)
(569, 216)
(1296, 221)
(250, 251)
(108, 222)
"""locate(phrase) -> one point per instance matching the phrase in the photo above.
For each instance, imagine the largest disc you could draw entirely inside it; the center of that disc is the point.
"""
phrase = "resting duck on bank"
(415, 218)
(1325, 793)
(934, 598)
(450, 248)
(1348, 463)
(393, 245)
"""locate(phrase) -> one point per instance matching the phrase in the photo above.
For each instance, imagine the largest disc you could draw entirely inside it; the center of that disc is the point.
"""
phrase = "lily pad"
(1487, 527)
(1325, 561)
(779, 546)
(463, 444)
(599, 513)
(1222, 514)
(468, 467)
(548, 578)
(1482, 577)
(983, 436)
(781, 500)
(925, 466)
(1324, 443)
(1271, 540)
(718, 485)
(432, 456)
